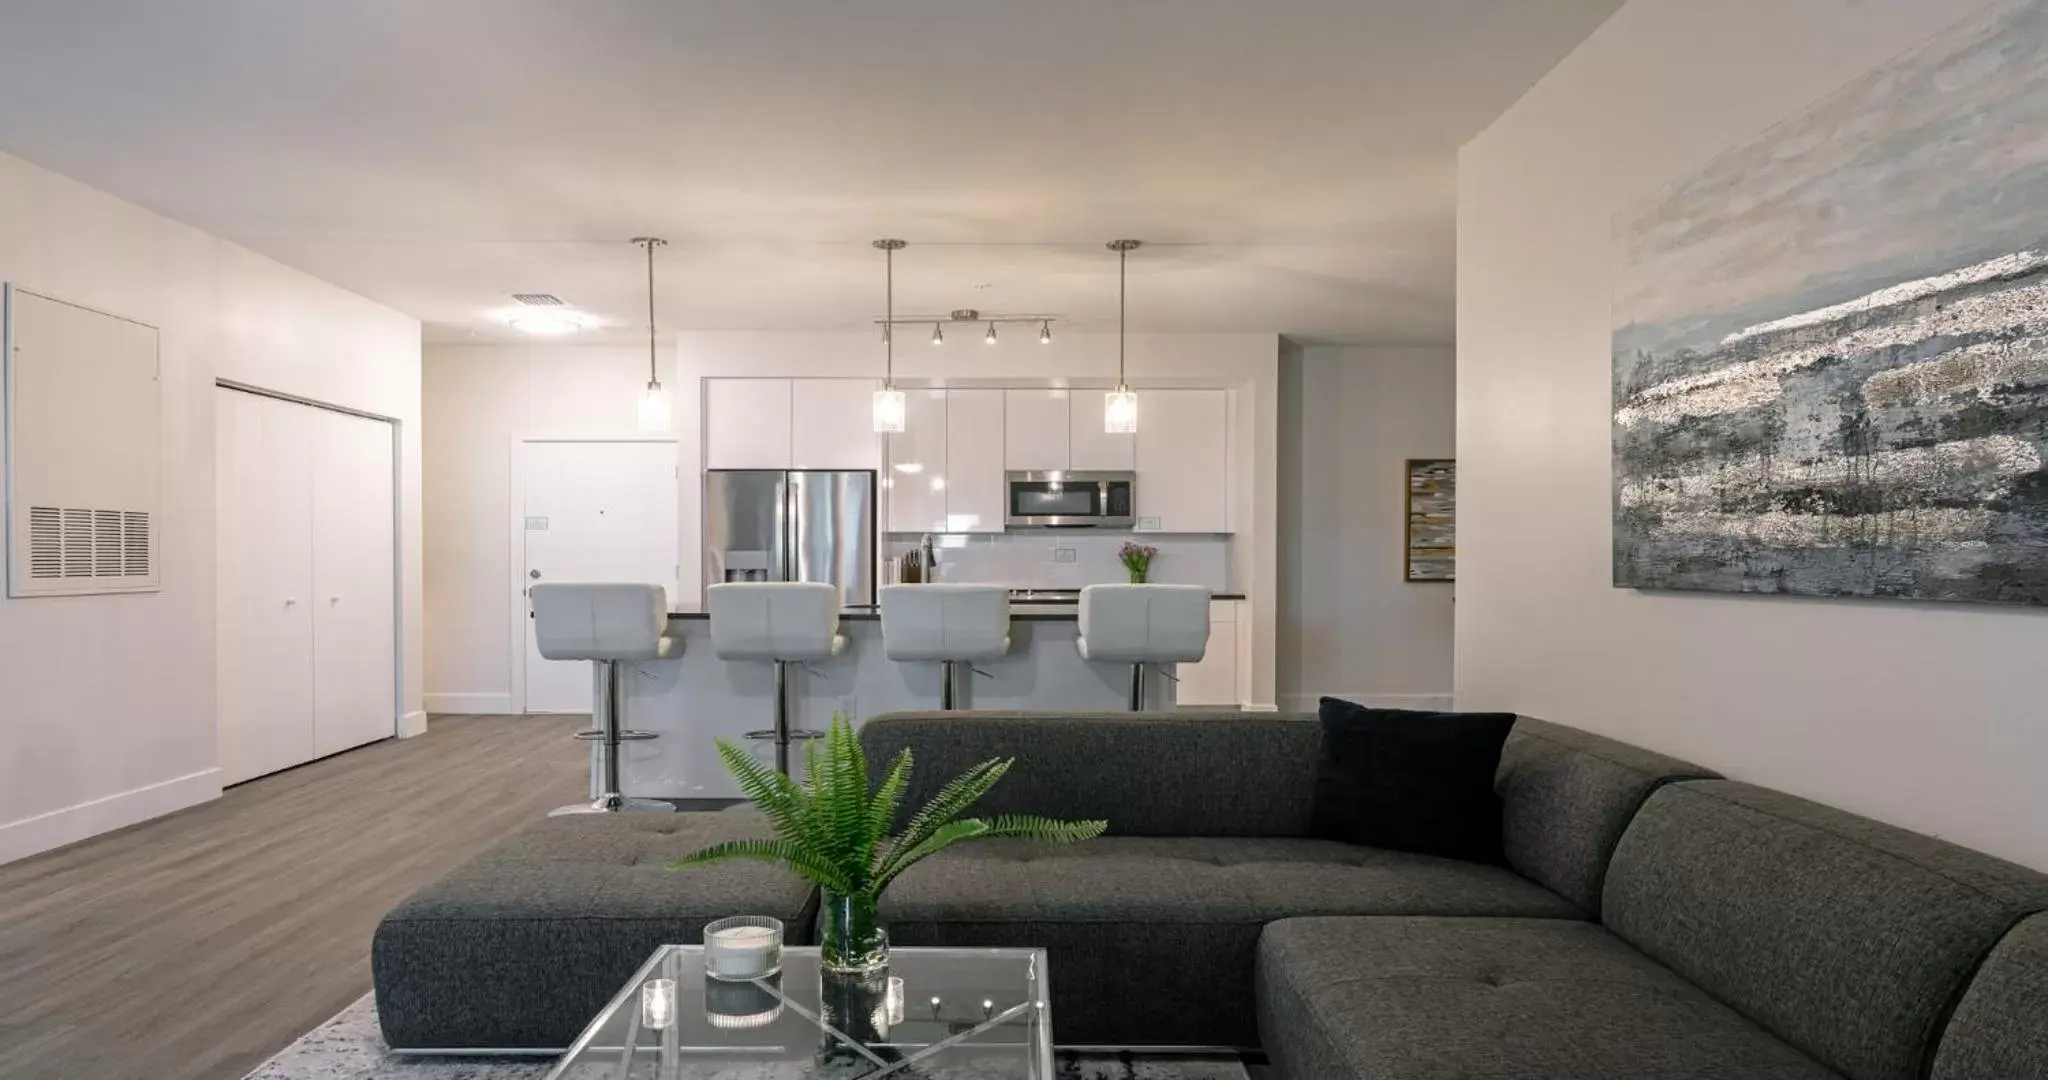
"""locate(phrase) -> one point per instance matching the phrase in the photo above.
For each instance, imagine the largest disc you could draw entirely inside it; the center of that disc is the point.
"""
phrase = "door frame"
(398, 523)
(515, 508)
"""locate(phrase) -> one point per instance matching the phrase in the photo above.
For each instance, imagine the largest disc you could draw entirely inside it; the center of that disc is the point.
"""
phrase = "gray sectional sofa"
(1651, 921)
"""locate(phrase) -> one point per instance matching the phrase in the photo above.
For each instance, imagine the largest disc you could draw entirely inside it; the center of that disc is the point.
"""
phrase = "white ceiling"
(1290, 162)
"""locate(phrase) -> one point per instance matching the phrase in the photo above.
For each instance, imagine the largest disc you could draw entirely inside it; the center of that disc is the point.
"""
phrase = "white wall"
(480, 399)
(107, 702)
(1350, 625)
(1927, 716)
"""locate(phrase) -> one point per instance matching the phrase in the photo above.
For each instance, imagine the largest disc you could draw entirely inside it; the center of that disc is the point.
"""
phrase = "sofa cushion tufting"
(1117, 911)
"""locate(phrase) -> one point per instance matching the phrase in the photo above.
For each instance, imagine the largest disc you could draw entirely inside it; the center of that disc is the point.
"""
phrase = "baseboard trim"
(412, 724)
(1306, 703)
(44, 832)
(1261, 706)
(471, 704)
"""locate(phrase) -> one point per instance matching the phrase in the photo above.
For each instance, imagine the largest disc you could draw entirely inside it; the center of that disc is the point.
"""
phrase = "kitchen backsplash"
(1070, 559)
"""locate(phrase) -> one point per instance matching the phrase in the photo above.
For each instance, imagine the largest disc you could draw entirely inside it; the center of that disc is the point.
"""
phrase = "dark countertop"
(1032, 611)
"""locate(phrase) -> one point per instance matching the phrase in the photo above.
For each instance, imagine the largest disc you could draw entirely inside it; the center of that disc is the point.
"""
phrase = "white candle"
(742, 952)
(658, 1004)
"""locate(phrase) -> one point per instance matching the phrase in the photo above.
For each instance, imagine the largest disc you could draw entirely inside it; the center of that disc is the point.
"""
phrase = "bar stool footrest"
(794, 736)
(597, 735)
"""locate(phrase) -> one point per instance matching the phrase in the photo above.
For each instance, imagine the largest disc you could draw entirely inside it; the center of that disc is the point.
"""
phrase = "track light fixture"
(971, 315)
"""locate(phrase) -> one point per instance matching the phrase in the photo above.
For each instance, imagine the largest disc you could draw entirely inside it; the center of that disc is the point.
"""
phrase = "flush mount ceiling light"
(1120, 407)
(889, 404)
(654, 409)
(545, 322)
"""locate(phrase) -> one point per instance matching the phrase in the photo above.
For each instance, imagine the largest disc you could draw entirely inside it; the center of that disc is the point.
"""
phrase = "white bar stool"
(1144, 624)
(783, 622)
(952, 624)
(609, 625)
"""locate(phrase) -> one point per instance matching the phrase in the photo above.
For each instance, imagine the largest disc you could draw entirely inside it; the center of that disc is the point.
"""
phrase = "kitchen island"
(697, 698)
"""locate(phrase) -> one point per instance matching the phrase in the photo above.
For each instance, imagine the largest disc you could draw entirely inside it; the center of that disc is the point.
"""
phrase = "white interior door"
(595, 511)
(354, 575)
(264, 584)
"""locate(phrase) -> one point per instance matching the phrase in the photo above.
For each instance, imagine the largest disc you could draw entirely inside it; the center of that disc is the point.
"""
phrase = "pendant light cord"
(653, 379)
(889, 318)
(1123, 259)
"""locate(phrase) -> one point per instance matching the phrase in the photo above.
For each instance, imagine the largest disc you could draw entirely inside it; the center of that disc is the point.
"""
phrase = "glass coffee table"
(935, 1014)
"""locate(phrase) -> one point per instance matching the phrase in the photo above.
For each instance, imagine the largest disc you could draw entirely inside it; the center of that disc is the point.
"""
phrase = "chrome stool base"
(782, 734)
(615, 804)
(611, 737)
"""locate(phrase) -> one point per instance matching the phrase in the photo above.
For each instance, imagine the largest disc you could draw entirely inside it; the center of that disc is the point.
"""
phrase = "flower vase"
(850, 935)
(1139, 574)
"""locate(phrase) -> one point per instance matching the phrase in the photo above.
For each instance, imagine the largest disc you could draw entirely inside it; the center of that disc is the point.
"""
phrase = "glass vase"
(1139, 574)
(850, 934)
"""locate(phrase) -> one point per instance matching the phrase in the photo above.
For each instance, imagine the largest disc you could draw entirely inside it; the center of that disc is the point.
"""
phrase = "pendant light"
(990, 337)
(889, 405)
(938, 335)
(1120, 406)
(654, 409)
(1045, 332)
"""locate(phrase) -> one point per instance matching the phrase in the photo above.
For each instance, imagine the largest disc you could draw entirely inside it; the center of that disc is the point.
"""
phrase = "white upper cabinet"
(791, 424)
(976, 494)
(833, 424)
(1035, 430)
(1089, 447)
(747, 424)
(1183, 461)
(917, 477)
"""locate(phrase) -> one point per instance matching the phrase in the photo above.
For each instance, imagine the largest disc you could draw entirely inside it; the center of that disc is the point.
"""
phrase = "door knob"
(534, 574)
(334, 599)
(291, 601)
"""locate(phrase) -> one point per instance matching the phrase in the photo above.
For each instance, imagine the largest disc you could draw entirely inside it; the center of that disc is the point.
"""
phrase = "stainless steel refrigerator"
(795, 525)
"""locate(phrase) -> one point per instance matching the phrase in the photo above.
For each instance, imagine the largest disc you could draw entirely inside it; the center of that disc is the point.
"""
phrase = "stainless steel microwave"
(1071, 500)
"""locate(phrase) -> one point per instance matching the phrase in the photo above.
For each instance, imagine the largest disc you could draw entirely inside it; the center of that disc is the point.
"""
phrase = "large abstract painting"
(1831, 344)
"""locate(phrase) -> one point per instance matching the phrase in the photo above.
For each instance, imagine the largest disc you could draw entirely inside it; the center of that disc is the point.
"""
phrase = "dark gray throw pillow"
(1410, 781)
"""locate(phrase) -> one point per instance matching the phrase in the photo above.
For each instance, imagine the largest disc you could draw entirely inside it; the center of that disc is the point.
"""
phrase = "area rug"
(351, 1047)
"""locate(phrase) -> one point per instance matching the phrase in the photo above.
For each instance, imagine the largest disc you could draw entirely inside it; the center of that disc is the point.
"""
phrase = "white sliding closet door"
(264, 585)
(305, 620)
(354, 622)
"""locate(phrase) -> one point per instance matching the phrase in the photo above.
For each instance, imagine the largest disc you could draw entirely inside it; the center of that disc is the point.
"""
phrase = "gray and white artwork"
(1831, 344)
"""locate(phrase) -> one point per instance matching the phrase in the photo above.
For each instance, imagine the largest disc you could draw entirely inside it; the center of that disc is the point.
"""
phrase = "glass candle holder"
(742, 947)
(737, 1006)
(657, 1004)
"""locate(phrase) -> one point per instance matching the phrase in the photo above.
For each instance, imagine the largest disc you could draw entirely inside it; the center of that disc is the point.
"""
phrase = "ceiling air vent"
(539, 299)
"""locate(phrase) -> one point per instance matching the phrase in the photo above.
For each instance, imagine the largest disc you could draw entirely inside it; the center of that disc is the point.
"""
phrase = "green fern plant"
(833, 829)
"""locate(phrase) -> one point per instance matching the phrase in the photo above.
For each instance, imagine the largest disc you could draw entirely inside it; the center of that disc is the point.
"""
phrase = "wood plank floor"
(195, 946)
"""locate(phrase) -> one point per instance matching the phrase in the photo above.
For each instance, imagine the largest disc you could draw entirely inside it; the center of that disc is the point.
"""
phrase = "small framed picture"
(1432, 542)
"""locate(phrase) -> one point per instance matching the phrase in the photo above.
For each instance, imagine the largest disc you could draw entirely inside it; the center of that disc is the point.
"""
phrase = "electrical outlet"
(1065, 555)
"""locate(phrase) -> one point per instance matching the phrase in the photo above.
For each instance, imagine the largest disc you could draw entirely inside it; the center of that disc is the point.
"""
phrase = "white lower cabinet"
(305, 580)
(1213, 681)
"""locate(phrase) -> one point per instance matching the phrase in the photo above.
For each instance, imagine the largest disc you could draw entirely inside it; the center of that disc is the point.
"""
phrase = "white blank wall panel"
(83, 409)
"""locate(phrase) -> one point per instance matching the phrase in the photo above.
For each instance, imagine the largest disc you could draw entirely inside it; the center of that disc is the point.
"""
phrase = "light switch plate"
(1065, 555)
(1151, 523)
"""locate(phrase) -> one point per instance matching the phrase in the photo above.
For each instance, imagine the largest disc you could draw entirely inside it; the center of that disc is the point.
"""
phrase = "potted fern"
(834, 830)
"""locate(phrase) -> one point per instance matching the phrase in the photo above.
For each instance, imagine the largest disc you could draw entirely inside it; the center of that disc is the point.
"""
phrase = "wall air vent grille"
(539, 299)
(70, 542)
(45, 543)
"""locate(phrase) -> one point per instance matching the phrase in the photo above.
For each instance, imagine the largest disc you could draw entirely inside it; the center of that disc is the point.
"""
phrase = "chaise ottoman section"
(1506, 999)
(522, 945)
